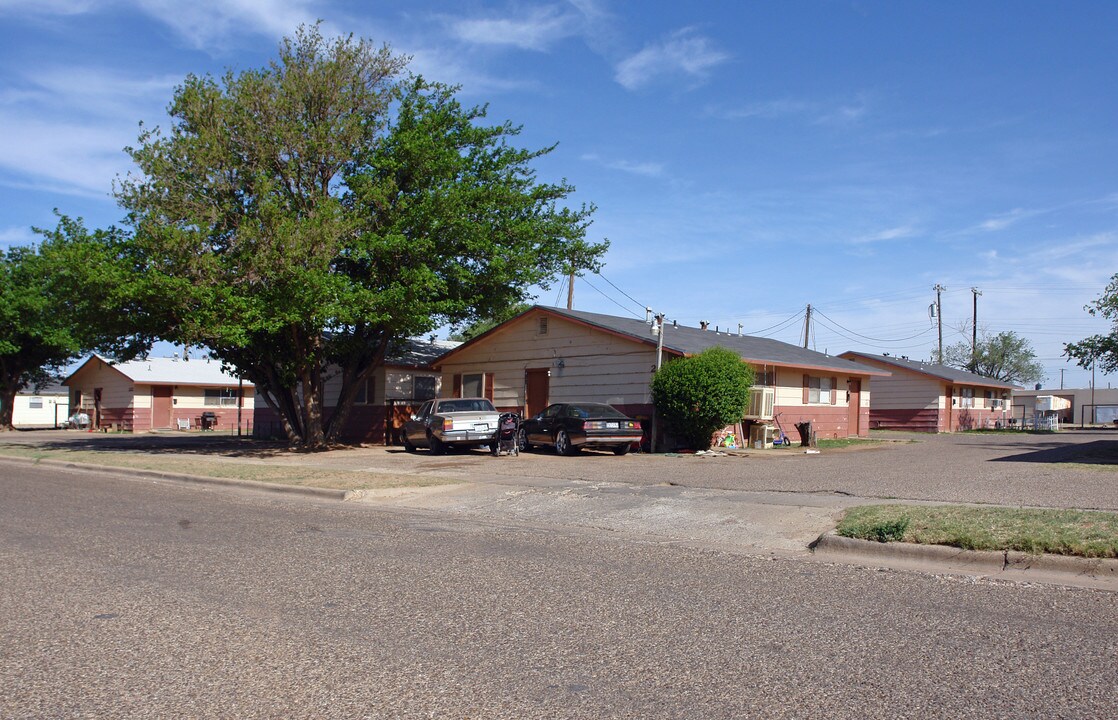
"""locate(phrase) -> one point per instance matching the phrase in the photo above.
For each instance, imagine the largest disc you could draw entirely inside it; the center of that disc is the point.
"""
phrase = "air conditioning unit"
(761, 402)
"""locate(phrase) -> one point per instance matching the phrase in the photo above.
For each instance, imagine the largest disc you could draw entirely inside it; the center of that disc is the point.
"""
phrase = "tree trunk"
(7, 404)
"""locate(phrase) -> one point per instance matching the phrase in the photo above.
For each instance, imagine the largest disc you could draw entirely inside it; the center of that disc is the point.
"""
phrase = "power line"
(607, 297)
(794, 317)
(641, 305)
(867, 337)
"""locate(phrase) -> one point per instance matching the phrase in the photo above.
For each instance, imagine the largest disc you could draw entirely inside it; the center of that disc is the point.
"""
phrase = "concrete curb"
(327, 493)
(984, 561)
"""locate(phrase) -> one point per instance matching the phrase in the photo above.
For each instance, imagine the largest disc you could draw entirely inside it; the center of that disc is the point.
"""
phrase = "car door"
(546, 425)
(416, 429)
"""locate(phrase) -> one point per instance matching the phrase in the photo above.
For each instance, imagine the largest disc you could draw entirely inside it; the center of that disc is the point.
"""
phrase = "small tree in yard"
(700, 395)
(1101, 349)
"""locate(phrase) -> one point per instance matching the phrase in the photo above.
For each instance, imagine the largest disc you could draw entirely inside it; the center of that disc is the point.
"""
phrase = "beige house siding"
(597, 366)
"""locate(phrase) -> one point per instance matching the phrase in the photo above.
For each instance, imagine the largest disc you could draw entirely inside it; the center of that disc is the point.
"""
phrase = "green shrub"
(699, 395)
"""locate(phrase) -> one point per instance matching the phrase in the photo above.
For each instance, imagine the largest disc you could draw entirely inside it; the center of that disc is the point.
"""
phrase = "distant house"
(383, 405)
(46, 406)
(1080, 405)
(159, 393)
(929, 397)
(546, 355)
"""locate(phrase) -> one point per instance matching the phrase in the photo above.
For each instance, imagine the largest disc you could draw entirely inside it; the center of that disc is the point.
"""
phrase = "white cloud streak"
(645, 169)
(683, 53)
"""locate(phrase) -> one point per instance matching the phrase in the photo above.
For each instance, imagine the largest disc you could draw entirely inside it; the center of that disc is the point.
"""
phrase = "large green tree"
(1005, 356)
(1100, 350)
(70, 293)
(308, 215)
(699, 395)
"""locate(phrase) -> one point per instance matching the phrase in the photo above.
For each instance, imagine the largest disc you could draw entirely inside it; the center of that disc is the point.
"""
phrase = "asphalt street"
(133, 598)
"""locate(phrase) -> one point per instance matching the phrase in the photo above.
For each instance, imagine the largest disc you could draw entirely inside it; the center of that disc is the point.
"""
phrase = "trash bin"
(209, 420)
(806, 435)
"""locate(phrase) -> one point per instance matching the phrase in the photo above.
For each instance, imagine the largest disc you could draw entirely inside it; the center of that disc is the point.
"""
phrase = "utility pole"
(1061, 378)
(659, 359)
(939, 319)
(571, 289)
(974, 333)
(807, 325)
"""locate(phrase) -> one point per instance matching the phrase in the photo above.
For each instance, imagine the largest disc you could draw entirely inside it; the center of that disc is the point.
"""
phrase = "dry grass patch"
(300, 475)
(1090, 534)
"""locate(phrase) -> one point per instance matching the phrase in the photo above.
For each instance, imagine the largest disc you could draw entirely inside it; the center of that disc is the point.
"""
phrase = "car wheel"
(563, 444)
(437, 446)
(522, 443)
(408, 447)
(622, 449)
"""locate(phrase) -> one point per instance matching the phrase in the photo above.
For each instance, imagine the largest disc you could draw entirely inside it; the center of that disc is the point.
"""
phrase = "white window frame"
(219, 397)
(819, 390)
(35, 402)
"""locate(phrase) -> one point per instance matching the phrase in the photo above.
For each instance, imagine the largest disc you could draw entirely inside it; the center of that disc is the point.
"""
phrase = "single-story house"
(46, 406)
(159, 393)
(547, 355)
(390, 396)
(930, 397)
(1079, 405)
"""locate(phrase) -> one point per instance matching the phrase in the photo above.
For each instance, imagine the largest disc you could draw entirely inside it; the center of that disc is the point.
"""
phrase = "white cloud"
(1001, 222)
(13, 236)
(817, 112)
(46, 7)
(209, 23)
(64, 157)
(646, 169)
(894, 233)
(539, 29)
(683, 53)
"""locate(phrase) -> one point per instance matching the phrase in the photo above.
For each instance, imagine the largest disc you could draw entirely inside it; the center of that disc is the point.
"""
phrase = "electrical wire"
(607, 297)
(641, 305)
(795, 316)
(867, 337)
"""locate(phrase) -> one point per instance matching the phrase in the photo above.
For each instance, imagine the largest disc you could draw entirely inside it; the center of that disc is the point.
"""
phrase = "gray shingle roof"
(691, 341)
(415, 352)
(943, 372)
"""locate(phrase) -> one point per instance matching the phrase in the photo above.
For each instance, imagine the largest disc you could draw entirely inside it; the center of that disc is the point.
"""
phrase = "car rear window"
(469, 405)
(594, 410)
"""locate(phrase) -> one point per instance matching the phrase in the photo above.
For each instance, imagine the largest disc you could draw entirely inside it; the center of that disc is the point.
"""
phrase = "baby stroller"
(508, 427)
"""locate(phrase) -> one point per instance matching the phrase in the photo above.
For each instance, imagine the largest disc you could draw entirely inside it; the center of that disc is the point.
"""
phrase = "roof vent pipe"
(648, 315)
(740, 326)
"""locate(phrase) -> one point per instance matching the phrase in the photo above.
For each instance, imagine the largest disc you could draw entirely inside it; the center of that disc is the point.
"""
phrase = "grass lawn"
(1059, 532)
(833, 443)
(301, 475)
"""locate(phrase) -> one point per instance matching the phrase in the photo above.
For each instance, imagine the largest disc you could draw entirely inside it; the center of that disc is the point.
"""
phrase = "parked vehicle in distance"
(452, 422)
(569, 427)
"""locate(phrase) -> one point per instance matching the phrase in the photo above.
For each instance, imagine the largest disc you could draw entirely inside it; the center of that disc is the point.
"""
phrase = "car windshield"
(466, 405)
(593, 410)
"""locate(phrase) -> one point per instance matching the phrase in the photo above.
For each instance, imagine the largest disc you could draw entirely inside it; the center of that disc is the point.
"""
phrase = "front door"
(161, 406)
(855, 406)
(538, 384)
(950, 402)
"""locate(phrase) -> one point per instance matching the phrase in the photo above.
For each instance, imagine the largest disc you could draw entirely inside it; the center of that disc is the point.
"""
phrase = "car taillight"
(635, 424)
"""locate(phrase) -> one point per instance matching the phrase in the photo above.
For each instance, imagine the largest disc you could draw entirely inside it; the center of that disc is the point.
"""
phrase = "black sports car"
(571, 426)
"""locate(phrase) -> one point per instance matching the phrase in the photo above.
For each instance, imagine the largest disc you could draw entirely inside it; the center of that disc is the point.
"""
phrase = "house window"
(819, 390)
(221, 397)
(425, 387)
(473, 385)
(36, 403)
(766, 378)
(366, 392)
(543, 326)
(966, 397)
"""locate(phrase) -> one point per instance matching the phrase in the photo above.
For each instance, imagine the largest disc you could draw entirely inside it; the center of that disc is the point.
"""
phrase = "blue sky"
(747, 159)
